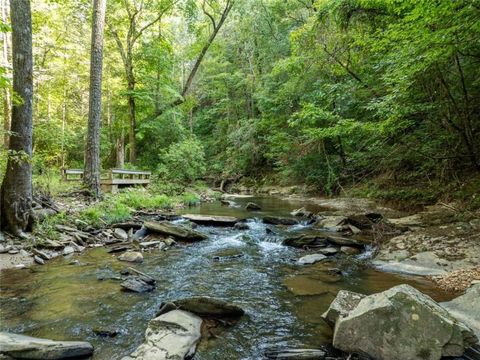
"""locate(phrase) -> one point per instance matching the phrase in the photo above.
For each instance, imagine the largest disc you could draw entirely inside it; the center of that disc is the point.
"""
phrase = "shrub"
(183, 161)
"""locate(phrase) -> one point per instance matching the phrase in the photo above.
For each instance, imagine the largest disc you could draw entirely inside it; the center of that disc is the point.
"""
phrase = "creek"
(283, 301)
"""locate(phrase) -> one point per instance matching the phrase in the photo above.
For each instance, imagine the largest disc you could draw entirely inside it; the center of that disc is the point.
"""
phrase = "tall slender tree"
(16, 189)
(7, 107)
(92, 151)
(137, 26)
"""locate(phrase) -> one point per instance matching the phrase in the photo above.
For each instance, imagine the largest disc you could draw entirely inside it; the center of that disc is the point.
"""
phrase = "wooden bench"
(113, 179)
(121, 178)
(72, 174)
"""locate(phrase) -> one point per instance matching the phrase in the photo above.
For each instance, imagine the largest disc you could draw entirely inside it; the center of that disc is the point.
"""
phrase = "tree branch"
(193, 72)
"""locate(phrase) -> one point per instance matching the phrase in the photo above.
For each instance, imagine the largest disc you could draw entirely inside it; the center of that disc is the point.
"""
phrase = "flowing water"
(283, 301)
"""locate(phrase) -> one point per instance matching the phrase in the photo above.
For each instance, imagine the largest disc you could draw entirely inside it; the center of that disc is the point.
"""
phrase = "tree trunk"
(16, 190)
(7, 105)
(133, 122)
(120, 161)
(91, 176)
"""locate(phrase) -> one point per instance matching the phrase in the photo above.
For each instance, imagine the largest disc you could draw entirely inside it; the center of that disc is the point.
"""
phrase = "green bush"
(183, 161)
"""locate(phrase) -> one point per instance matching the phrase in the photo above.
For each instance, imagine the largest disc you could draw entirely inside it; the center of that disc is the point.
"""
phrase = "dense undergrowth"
(112, 208)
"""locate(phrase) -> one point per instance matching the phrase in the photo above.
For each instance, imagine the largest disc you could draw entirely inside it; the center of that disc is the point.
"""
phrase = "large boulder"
(401, 323)
(27, 347)
(342, 305)
(173, 335)
(177, 231)
(206, 307)
(466, 308)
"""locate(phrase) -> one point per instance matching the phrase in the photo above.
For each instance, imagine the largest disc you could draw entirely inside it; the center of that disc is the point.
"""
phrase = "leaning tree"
(16, 204)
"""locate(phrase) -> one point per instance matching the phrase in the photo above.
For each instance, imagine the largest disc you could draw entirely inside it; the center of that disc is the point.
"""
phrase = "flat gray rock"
(177, 231)
(26, 347)
(173, 335)
(212, 220)
(311, 259)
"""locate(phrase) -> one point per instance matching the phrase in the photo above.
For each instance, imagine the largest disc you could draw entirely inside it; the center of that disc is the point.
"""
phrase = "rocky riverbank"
(441, 242)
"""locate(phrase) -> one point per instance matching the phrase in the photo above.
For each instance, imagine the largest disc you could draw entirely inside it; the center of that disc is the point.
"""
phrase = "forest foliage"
(328, 92)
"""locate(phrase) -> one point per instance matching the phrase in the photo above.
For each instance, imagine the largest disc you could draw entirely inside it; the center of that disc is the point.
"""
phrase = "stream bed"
(65, 300)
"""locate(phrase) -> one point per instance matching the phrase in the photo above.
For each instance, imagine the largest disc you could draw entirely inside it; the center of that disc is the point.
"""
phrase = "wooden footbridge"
(113, 179)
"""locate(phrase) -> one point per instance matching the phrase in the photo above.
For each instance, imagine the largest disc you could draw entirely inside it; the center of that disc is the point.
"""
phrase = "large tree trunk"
(91, 176)
(7, 107)
(17, 185)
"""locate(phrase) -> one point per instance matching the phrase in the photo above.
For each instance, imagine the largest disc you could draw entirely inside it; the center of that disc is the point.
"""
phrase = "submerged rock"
(212, 220)
(311, 259)
(401, 323)
(227, 254)
(105, 332)
(131, 256)
(348, 250)
(177, 231)
(138, 284)
(277, 220)
(251, 206)
(26, 347)
(303, 285)
(295, 354)
(173, 335)
(241, 226)
(207, 307)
